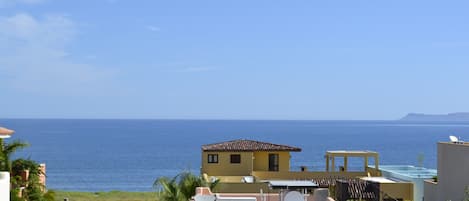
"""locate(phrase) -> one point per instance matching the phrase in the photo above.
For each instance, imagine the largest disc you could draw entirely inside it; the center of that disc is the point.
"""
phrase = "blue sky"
(232, 59)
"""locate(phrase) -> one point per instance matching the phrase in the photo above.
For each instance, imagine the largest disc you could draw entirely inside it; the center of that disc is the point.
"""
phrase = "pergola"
(331, 155)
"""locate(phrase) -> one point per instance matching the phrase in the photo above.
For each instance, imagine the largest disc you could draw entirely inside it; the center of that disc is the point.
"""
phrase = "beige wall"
(242, 188)
(261, 161)
(258, 161)
(373, 172)
(402, 190)
(453, 171)
(229, 179)
(225, 167)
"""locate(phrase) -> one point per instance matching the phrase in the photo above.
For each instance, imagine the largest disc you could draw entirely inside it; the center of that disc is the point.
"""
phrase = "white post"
(4, 186)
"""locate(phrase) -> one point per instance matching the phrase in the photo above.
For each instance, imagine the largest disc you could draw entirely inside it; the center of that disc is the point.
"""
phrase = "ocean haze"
(103, 155)
(458, 116)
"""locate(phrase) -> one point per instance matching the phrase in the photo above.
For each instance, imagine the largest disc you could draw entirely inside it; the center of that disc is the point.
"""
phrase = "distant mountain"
(459, 116)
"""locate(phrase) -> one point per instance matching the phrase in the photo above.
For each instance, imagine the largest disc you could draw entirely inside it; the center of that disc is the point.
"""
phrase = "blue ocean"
(128, 155)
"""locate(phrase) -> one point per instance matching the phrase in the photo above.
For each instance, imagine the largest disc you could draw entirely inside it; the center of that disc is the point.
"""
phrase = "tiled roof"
(247, 145)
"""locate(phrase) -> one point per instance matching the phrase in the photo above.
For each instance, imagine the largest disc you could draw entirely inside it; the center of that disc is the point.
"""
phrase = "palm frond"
(16, 145)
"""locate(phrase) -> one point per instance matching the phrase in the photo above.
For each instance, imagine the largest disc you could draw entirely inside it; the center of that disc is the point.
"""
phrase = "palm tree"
(181, 187)
(188, 183)
(169, 189)
(34, 190)
(6, 150)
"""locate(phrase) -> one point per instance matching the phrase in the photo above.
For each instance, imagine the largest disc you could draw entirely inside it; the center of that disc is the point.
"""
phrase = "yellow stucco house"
(248, 166)
(243, 157)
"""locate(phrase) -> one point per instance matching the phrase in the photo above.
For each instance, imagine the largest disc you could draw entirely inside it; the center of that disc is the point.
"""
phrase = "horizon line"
(187, 119)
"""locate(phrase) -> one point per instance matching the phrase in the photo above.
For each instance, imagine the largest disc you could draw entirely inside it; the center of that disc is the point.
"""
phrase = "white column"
(4, 186)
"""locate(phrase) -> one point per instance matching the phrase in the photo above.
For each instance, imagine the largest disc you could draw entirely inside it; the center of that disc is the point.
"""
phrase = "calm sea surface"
(103, 155)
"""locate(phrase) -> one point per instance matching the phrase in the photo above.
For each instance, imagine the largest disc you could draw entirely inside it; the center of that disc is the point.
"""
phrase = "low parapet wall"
(264, 175)
(230, 179)
(234, 184)
(402, 190)
(242, 188)
(373, 172)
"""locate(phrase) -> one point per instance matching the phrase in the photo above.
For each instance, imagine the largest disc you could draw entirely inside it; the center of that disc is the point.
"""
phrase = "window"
(273, 162)
(213, 158)
(235, 158)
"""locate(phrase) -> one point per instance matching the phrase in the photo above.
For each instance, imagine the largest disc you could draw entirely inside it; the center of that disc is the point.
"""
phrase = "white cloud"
(152, 28)
(51, 31)
(33, 57)
(4, 3)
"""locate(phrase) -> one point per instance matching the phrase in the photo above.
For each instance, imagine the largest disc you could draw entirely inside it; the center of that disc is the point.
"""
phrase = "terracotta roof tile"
(6, 131)
(247, 145)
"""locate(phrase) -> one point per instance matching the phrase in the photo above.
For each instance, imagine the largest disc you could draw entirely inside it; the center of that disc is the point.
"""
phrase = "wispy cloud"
(152, 28)
(33, 57)
(4, 3)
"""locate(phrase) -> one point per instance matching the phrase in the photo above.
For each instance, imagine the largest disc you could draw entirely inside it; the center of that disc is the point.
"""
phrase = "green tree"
(7, 150)
(181, 187)
(169, 189)
(34, 190)
(466, 197)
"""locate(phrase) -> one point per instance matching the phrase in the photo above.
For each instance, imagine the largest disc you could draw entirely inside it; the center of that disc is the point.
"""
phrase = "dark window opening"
(235, 158)
(273, 162)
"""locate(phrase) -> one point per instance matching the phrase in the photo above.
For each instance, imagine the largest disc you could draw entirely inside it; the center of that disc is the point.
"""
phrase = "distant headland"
(458, 116)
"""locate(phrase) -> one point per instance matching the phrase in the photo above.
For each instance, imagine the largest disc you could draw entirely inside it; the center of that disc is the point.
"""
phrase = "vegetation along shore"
(105, 196)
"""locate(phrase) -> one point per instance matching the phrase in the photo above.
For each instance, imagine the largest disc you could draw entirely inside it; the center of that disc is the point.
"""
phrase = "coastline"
(164, 148)
(105, 196)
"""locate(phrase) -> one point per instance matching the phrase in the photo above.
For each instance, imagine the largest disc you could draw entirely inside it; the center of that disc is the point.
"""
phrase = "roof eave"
(235, 150)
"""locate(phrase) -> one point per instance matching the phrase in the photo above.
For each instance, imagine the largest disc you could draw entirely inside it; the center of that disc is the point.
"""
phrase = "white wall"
(453, 171)
(430, 190)
(4, 186)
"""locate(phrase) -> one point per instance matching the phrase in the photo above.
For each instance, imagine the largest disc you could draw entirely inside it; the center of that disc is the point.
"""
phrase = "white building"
(453, 173)
(5, 176)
